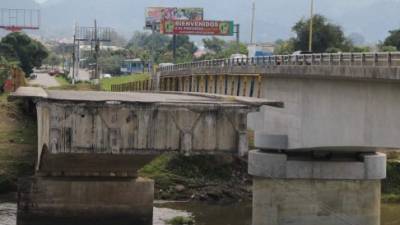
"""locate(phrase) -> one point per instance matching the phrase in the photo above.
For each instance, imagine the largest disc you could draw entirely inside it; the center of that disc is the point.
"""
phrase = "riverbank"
(219, 179)
(391, 185)
(17, 144)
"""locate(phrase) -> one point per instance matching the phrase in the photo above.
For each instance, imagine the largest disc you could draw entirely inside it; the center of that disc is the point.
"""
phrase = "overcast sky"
(274, 18)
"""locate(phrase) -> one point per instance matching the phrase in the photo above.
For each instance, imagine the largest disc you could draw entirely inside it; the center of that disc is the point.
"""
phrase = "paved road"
(44, 80)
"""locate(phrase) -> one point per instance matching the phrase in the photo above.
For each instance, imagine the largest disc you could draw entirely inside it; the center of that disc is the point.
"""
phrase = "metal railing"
(338, 59)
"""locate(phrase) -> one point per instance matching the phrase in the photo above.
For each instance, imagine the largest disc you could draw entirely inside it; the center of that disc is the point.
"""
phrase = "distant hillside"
(370, 18)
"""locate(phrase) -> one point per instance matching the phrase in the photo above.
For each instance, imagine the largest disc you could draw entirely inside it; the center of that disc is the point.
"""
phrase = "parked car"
(53, 72)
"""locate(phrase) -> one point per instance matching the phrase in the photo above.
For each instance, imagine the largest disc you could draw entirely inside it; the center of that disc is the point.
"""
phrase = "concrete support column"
(85, 200)
(295, 188)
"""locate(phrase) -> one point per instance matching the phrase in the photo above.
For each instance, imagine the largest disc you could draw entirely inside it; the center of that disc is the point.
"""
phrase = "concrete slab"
(274, 165)
(141, 97)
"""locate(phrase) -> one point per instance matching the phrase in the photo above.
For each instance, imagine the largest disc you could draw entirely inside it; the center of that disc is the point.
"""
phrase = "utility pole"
(252, 22)
(310, 39)
(237, 32)
(96, 51)
(174, 48)
(73, 60)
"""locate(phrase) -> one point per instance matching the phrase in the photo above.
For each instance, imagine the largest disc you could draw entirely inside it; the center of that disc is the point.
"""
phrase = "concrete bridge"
(91, 144)
(340, 109)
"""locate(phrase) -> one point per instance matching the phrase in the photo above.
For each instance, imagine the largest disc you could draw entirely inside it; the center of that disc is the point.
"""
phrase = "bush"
(180, 220)
(391, 185)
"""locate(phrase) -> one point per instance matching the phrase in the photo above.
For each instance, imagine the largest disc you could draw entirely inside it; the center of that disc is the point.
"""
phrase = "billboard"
(195, 27)
(154, 15)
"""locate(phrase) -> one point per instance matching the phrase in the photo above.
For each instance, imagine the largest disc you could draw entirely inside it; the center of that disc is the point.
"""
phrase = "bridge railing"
(338, 59)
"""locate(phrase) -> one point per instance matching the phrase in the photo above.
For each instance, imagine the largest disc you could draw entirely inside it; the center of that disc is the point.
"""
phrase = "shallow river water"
(204, 214)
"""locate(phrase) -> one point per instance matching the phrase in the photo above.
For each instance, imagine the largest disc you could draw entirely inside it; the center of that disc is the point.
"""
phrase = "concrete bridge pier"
(85, 200)
(299, 188)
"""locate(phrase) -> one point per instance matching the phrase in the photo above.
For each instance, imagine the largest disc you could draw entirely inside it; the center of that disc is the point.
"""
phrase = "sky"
(274, 18)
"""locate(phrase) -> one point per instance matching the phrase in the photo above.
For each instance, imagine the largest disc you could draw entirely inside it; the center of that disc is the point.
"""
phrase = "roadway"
(44, 80)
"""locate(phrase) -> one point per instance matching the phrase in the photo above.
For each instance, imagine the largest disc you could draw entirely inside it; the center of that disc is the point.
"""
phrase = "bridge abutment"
(298, 188)
(85, 200)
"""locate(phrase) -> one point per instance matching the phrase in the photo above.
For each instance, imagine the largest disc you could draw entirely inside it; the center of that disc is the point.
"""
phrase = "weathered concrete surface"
(296, 189)
(90, 145)
(83, 201)
(316, 202)
(330, 114)
(86, 128)
(368, 166)
(342, 72)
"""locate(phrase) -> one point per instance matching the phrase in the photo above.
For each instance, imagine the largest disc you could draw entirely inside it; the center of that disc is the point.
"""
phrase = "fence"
(335, 59)
(142, 85)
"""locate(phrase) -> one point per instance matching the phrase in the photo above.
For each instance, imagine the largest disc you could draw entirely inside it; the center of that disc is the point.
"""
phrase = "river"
(204, 214)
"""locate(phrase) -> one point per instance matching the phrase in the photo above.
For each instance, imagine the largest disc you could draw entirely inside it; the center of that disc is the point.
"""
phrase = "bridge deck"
(166, 98)
(89, 133)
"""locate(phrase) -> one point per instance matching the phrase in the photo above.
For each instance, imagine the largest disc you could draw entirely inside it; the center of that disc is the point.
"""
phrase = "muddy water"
(205, 214)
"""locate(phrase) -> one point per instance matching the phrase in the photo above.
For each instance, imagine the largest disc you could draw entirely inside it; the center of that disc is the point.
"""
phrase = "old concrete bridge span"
(91, 144)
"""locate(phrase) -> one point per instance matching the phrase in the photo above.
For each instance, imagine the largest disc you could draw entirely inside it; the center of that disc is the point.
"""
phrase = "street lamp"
(311, 26)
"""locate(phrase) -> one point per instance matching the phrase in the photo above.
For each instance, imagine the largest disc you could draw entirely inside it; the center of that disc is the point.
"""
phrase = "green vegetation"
(53, 60)
(20, 47)
(391, 185)
(327, 37)
(393, 40)
(180, 220)
(106, 83)
(79, 86)
(220, 49)
(62, 80)
(4, 70)
(202, 177)
(17, 144)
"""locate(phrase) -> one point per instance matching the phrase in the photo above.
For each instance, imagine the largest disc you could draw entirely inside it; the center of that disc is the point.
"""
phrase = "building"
(261, 49)
(130, 66)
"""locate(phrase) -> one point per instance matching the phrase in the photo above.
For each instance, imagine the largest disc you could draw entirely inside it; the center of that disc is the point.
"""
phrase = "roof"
(166, 98)
(133, 60)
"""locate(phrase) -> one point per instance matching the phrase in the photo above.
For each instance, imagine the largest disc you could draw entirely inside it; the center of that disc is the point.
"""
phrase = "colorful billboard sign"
(195, 27)
(154, 15)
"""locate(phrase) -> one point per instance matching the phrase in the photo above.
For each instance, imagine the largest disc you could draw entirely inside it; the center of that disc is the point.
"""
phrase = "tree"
(283, 47)
(53, 60)
(393, 39)
(28, 52)
(325, 35)
(184, 48)
(222, 49)
(214, 44)
(233, 47)
(4, 65)
(111, 64)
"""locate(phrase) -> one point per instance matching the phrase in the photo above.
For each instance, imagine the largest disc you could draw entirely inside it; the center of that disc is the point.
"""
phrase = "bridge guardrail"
(350, 59)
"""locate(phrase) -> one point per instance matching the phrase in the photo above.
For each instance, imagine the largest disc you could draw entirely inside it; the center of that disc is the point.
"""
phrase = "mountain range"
(371, 19)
